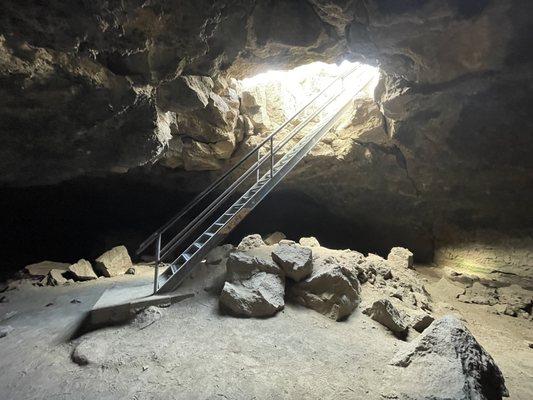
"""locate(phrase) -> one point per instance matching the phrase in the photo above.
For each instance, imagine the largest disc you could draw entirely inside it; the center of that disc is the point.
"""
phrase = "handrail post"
(258, 166)
(157, 261)
(271, 157)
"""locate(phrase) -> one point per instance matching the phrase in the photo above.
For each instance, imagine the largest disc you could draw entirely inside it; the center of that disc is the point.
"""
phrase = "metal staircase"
(187, 243)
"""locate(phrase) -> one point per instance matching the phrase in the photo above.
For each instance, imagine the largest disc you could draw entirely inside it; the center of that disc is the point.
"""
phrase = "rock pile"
(113, 262)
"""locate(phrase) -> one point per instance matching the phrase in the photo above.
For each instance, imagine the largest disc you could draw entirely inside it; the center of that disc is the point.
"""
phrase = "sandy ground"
(194, 352)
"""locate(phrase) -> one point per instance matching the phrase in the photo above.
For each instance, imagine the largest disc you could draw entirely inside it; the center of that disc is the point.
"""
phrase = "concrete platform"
(120, 302)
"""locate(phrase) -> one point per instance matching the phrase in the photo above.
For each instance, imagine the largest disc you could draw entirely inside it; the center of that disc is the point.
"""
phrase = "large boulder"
(296, 261)
(384, 312)
(113, 262)
(332, 290)
(259, 296)
(447, 362)
(255, 286)
(274, 238)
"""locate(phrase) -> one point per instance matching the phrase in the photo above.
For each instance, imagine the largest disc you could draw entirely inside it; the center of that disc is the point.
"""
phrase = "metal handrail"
(178, 239)
(162, 252)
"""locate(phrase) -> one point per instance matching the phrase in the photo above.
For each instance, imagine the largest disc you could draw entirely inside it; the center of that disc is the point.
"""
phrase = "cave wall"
(87, 90)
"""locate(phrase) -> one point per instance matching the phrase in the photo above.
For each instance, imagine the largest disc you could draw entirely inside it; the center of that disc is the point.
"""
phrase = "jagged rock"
(447, 362)
(332, 290)
(251, 241)
(274, 238)
(259, 296)
(420, 321)
(384, 312)
(242, 266)
(296, 261)
(185, 93)
(218, 254)
(55, 277)
(5, 330)
(377, 266)
(44, 267)
(309, 241)
(401, 257)
(82, 270)
(479, 294)
(113, 262)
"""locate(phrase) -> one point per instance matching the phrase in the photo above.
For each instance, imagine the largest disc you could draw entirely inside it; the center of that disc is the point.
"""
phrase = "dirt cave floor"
(193, 351)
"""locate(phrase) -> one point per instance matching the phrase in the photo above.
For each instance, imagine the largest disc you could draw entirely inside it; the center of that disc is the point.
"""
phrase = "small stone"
(401, 257)
(82, 270)
(145, 368)
(113, 262)
(3, 299)
(130, 271)
(384, 312)
(49, 304)
(147, 317)
(75, 301)
(5, 330)
(296, 261)
(274, 238)
(309, 242)
(56, 278)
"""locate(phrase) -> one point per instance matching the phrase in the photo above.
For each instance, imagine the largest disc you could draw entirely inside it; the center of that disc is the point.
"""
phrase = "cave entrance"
(293, 208)
(281, 93)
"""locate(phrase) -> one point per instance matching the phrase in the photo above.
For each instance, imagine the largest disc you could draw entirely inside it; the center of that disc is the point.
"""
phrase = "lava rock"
(401, 257)
(309, 242)
(296, 261)
(377, 266)
(384, 312)
(447, 362)
(113, 262)
(260, 296)
(332, 290)
(82, 270)
(420, 321)
(241, 266)
(56, 278)
(251, 242)
(44, 267)
(274, 238)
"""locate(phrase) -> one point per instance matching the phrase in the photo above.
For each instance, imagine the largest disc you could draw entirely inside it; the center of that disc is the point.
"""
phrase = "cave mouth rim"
(297, 77)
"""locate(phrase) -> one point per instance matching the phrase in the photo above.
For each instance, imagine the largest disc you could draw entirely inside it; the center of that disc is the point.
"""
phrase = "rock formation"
(145, 89)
